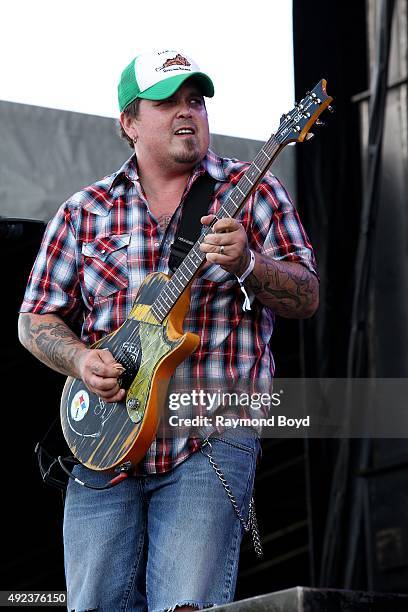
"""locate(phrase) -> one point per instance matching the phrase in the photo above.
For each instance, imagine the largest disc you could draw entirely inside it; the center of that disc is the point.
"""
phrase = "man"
(168, 537)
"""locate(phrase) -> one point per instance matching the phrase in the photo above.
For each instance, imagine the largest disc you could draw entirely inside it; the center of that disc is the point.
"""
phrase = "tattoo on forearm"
(289, 289)
(54, 343)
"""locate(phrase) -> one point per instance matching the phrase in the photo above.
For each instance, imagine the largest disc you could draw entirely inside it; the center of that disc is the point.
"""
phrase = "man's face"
(174, 131)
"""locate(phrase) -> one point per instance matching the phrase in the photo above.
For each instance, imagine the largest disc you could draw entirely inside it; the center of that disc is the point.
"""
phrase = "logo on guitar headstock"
(295, 124)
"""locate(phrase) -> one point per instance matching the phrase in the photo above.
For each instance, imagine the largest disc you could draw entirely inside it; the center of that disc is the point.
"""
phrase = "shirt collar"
(212, 163)
(127, 171)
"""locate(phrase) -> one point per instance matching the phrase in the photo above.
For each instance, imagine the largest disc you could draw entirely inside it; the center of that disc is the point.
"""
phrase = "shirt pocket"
(105, 262)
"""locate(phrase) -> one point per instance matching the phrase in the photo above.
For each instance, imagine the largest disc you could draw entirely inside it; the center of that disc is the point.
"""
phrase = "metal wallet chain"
(251, 524)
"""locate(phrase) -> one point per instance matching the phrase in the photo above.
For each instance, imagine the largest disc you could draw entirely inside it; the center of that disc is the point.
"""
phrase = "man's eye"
(197, 101)
(165, 102)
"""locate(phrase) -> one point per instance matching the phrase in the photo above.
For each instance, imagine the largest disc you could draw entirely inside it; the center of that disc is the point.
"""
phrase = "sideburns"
(132, 111)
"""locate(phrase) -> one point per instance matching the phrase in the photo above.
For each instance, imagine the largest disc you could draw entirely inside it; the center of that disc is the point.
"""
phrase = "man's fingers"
(219, 239)
(117, 395)
(207, 219)
(227, 225)
(103, 384)
(103, 364)
(105, 356)
(106, 388)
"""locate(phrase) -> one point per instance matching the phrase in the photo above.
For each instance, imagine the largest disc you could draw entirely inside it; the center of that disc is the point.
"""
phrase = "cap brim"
(166, 88)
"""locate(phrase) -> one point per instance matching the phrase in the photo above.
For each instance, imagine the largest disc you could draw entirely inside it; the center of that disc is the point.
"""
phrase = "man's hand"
(287, 288)
(100, 372)
(228, 233)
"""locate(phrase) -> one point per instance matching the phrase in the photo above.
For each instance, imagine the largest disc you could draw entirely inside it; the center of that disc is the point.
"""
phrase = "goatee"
(190, 154)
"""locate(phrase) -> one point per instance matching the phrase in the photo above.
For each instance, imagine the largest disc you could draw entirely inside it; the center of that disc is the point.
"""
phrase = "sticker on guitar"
(151, 343)
(87, 415)
(79, 405)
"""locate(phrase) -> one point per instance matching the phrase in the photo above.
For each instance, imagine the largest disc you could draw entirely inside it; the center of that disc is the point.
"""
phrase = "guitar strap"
(189, 227)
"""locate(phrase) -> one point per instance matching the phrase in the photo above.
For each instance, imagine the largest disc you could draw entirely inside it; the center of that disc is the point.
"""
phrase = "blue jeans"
(159, 541)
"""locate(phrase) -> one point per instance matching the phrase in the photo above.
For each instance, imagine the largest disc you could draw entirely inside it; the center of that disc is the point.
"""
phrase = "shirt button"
(103, 251)
(156, 244)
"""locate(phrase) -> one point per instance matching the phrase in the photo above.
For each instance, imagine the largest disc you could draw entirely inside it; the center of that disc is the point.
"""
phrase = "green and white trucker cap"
(157, 75)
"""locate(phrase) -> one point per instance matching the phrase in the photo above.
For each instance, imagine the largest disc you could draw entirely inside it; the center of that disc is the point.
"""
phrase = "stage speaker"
(31, 535)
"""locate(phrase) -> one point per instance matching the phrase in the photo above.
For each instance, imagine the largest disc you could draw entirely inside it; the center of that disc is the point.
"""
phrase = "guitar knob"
(330, 109)
(309, 136)
(135, 412)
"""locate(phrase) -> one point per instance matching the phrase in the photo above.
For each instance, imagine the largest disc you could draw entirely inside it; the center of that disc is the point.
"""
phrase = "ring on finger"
(221, 249)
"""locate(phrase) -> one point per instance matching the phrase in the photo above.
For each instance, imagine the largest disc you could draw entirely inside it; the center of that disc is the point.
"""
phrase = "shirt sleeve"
(53, 285)
(276, 227)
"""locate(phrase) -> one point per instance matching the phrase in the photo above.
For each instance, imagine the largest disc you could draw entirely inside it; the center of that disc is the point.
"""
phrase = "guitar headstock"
(295, 125)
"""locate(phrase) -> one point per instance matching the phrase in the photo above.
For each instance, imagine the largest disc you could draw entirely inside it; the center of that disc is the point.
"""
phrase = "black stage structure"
(354, 200)
(331, 513)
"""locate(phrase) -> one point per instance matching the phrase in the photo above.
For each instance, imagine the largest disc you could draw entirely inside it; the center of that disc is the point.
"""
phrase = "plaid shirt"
(103, 242)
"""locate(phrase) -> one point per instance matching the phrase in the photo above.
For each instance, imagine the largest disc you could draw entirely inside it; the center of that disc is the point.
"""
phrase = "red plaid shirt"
(103, 242)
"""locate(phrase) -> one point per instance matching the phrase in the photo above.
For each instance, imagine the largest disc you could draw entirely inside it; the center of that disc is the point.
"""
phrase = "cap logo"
(157, 75)
(179, 60)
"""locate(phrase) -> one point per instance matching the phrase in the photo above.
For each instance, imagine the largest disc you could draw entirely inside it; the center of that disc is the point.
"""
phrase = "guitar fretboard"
(235, 201)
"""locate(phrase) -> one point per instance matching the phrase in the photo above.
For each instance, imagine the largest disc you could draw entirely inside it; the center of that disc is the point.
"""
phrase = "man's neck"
(159, 181)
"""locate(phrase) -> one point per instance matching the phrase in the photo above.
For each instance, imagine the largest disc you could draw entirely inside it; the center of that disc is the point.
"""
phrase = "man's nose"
(184, 109)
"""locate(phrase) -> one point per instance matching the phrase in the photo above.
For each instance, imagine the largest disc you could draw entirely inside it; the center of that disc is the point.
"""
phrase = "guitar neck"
(234, 203)
(294, 127)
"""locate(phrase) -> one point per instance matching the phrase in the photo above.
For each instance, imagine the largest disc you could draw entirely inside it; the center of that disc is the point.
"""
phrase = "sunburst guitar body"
(105, 436)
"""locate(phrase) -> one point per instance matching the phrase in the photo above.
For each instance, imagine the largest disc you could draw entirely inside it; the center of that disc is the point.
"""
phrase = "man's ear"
(129, 125)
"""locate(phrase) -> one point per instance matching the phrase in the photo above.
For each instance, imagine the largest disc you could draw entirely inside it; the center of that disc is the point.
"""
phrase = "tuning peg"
(330, 109)
(320, 122)
(309, 136)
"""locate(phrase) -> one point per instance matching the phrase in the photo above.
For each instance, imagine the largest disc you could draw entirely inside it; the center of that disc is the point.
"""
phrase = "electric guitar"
(151, 343)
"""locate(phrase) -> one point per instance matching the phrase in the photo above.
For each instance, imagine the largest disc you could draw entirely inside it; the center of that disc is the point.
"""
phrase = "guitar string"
(207, 230)
(288, 118)
(268, 147)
